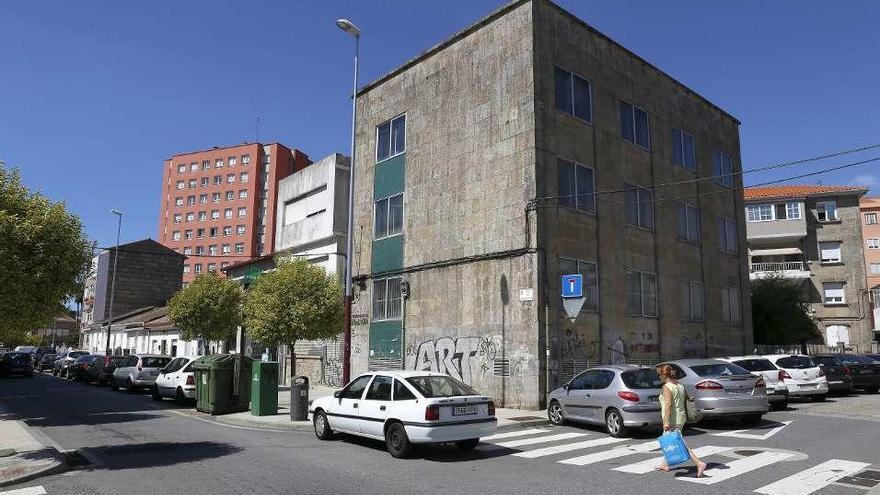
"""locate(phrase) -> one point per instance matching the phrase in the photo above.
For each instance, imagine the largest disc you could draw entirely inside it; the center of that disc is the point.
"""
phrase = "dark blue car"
(16, 363)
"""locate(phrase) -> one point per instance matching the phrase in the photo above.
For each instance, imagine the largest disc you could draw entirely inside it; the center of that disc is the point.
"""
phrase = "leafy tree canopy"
(208, 309)
(779, 312)
(44, 257)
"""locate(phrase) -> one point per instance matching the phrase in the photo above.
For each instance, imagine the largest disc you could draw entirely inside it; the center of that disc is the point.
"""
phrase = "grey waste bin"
(299, 398)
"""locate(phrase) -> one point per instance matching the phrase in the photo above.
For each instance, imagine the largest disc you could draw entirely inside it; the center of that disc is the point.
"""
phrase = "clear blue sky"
(95, 94)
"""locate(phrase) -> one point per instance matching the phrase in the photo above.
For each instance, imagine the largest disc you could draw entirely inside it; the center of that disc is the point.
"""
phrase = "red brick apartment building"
(218, 205)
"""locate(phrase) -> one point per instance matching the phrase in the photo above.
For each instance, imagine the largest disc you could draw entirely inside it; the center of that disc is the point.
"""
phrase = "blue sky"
(95, 94)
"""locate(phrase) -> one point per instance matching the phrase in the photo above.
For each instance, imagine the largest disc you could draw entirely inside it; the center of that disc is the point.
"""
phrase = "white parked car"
(803, 377)
(405, 408)
(176, 380)
(777, 390)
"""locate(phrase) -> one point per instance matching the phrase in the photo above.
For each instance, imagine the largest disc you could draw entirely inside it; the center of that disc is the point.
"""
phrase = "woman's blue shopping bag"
(673, 447)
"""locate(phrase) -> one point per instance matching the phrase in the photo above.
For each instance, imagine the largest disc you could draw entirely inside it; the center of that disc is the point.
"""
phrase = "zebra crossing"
(585, 448)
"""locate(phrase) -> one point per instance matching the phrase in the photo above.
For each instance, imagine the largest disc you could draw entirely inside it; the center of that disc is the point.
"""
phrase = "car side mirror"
(821, 365)
(337, 394)
(566, 387)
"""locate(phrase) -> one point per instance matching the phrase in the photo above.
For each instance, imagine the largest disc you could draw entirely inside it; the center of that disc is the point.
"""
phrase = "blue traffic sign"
(572, 286)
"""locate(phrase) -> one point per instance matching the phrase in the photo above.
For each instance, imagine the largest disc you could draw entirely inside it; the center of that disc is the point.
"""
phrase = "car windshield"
(755, 364)
(440, 386)
(641, 379)
(154, 362)
(720, 369)
(15, 356)
(796, 362)
(852, 359)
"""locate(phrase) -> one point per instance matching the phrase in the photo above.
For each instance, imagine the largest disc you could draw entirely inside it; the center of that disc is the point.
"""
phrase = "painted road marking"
(644, 467)
(752, 436)
(557, 449)
(531, 441)
(815, 478)
(740, 466)
(605, 455)
(31, 490)
(520, 433)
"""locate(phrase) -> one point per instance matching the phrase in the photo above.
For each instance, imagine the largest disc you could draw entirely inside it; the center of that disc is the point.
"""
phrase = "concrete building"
(870, 209)
(147, 274)
(218, 205)
(814, 234)
(524, 147)
(62, 331)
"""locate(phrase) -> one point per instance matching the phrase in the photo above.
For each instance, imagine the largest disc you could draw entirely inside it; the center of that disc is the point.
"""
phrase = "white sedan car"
(176, 380)
(803, 377)
(405, 408)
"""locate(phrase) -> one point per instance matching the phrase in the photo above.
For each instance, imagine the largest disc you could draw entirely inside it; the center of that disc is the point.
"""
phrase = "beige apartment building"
(870, 209)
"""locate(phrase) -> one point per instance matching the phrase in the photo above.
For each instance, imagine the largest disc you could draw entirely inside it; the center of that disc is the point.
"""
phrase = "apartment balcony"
(786, 269)
(776, 231)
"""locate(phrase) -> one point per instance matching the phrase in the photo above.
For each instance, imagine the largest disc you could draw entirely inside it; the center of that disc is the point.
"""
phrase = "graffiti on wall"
(692, 346)
(574, 346)
(634, 347)
(459, 357)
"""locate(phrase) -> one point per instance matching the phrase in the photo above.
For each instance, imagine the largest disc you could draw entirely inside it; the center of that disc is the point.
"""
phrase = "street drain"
(747, 453)
(75, 459)
(869, 479)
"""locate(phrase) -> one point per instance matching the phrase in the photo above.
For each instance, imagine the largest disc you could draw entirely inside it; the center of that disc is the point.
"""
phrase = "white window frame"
(213, 216)
(688, 207)
(181, 184)
(731, 305)
(193, 183)
(830, 261)
(245, 159)
(793, 206)
(384, 315)
(175, 236)
(218, 163)
(681, 135)
(871, 218)
(242, 212)
(391, 130)
(727, 244)
(197, 268)
(240, 229)
(244, 177)
(387, 200)
(242, 194)
(689, 290)
(874, 268)
(227, 213)
(178, 201)
(823, 206)
(639, 192)
(181, 169)
(194, 167)
(873, 242)
(177, 218)
(239, 247)
(190, 216)
(643, 275)
(721, 175)
(756, 213)
(834, 300)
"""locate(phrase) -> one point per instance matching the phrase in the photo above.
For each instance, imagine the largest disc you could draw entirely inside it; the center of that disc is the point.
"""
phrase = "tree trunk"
(292, 361)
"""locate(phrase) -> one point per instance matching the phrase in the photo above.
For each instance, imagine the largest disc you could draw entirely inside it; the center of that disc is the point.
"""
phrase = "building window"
(692, 300)
(387, 300)
(230, 195)
(190, 216)
(206, 165)
(590, 274)
(242, 193)
(793, 211)
(227, 213)
(875, 268)
(203, 199)
(194, 167)
(230, 178)
(177, 217)
(181, 184)
(212, 250)
(231, 161)
(187, 234)
(212, 267)
(225, 249)
(178, 201)
(215, 214)
(727, 234)
(577, 185)
(829, 252)
(874, 243)
(200, 250)
(202, 216)
(200, 233)
(634, 125)
(826, 211)
(227, 230)
(175, 236)
(833, 293)
(205, 182)
(683, 151)
(730, 305)
(391, 138)
(212, 232)
(192, 183)
(723, 168)
(218, 163)
(191, 200)
(870, 218)
(187, 251)
(181, 169)
(239, 247)
(389, 216)
(639, 206)
(242, 212)
(243, 177)
(215, 197)
(245, 159)
(218, 180)
(689, 222)
(224, 264)
(239, 229)
(641, 290)
(573, 95)
(198, 267)
(759, 213)
(185, 268)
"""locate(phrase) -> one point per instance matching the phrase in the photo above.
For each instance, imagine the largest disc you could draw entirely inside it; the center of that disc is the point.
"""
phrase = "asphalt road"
(134, 446)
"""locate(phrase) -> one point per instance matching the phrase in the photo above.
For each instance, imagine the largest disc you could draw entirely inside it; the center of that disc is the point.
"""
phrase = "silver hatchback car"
(619, 397)
(722, 389)
(138, 370)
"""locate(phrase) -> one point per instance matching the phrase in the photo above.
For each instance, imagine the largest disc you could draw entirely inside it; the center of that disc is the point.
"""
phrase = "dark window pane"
(642, 379)
(380, 388)
(634, 293)
(585, 200)
(682, 221)
(379, 299)
(677, 147)
(582, 98)
(566, 183)
(563, 90)
(381, 227)
(693, 223)
(649, 290)
(690, 157)
(646, 208)
(627, 130)
(641, 125)
(356, 388)
(631, 206)
(395, 214)
(440, 386)
(401, 392)
(398, 135)
(591, 286)
(383, 141)
(394, 300)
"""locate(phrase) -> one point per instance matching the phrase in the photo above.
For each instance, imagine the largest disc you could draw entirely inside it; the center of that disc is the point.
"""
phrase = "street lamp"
(350, 28)
(113, 277)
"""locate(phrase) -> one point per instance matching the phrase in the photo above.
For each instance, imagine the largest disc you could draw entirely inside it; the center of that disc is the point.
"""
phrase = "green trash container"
(217, 389)
(264, 388)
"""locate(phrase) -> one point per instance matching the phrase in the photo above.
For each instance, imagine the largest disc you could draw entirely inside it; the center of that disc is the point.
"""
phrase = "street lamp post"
(350, 28)
(113, 278)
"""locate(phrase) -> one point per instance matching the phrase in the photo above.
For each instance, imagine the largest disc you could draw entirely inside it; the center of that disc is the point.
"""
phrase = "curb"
(60, 466)
(307, 426)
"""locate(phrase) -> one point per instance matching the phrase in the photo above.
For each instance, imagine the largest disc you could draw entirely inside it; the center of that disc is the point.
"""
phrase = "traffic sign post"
(573, 295)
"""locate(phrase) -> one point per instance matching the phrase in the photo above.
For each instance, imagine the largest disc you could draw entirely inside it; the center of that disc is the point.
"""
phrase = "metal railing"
(778, 266)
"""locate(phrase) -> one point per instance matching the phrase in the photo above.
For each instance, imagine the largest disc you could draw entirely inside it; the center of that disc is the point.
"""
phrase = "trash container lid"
(218, 361)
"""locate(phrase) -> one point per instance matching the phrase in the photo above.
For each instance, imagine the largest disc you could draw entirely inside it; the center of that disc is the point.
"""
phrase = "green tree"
(207, 309)
(779, 313)
(296, 301)
(44, 257)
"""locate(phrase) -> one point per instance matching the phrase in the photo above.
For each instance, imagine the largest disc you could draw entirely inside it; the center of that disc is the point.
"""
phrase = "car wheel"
(555, 414)
(780, 406)
(871, 390)
(154, 392)
(614, 423)
(468, 444)
(322, 426)
(54, 372)
(129, 387)
(180, 397)
(396, 441)
(818, 398)
(752, 419)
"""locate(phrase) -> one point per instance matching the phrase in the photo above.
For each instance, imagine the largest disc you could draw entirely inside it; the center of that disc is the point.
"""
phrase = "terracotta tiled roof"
(870, 202)
(753, 193)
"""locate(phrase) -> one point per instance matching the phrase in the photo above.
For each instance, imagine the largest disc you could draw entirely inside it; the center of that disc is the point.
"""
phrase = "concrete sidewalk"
(22, 456)
(508, 419)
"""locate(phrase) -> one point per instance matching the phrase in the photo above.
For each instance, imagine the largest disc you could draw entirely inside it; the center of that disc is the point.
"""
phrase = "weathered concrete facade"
(468, 284)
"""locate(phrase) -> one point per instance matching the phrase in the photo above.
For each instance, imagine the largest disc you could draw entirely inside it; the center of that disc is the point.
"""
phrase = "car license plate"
(738, 390)
(809, 386)
(464, 410)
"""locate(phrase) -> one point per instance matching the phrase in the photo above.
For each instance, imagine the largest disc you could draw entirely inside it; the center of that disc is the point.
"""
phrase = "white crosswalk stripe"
(813, 479)
(739, 466)
(513, 434)
(568, 447)
(605, 455)
(31, 490)
(542, 439)
(644, 467)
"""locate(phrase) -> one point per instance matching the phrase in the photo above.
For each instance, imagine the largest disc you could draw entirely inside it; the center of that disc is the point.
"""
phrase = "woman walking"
(673, 410)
